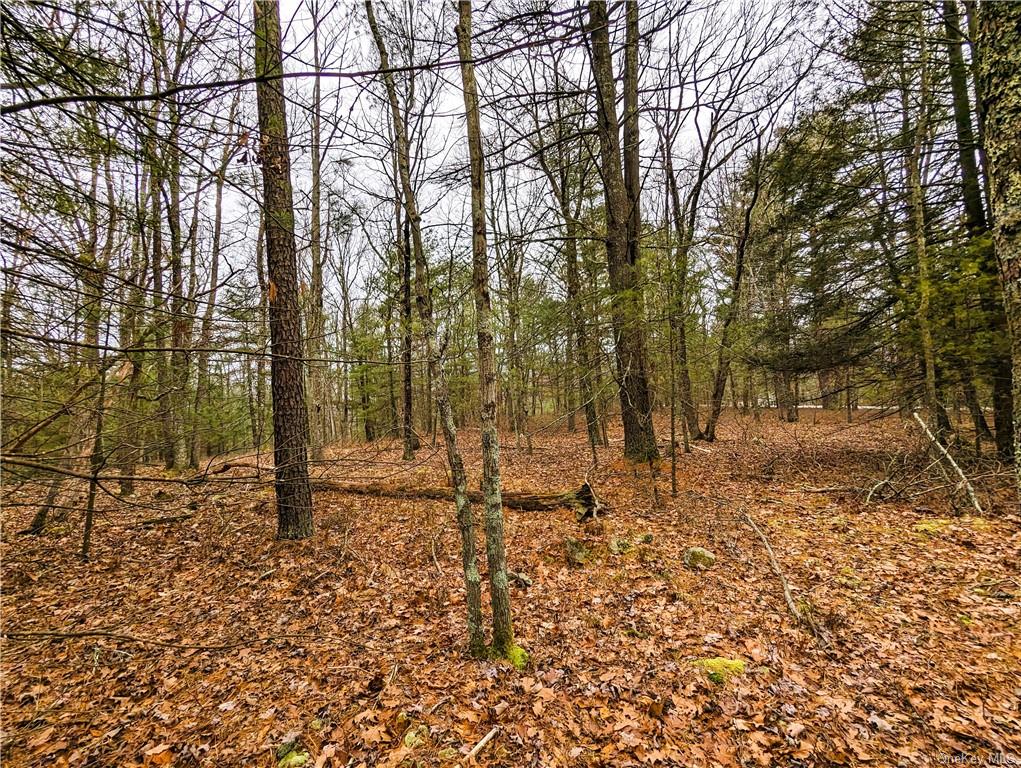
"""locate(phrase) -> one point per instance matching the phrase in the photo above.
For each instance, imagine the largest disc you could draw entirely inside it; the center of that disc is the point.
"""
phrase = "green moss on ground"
(517, 656)
(720, 669)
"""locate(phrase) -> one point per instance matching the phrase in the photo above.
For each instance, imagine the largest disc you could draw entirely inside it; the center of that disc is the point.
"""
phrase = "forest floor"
(204, 641)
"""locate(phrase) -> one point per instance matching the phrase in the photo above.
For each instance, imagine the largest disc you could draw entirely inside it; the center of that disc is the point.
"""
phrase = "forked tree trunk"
(621, 234)
(290, 418)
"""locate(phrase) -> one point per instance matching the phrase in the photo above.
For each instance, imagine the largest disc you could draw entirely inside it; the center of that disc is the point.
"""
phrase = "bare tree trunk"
(723, 355)
(998, 364)
(198, 443)
(410, 437)
(134, 306)
(621, 233)
(999, 42)
(290, 417)
(95, 467)
(316, 317)
(434, 352)
(258, 422)
(679, 314)
(163, 383)
(584, 348)
(496, 556)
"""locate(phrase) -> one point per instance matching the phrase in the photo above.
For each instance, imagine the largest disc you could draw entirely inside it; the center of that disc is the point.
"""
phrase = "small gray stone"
(520, 578)
(699, 558)
(619, 546)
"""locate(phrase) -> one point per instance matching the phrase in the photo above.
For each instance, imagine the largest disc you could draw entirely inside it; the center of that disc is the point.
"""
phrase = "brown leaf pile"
(205, 642)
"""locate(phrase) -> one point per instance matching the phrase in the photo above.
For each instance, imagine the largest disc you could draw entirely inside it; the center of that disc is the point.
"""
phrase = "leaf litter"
(206, 643)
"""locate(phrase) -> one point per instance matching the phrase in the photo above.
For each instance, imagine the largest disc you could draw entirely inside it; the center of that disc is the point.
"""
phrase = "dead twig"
(436, 560)
(437, 705)
(482, 743)
(946, 455)
(802, 617)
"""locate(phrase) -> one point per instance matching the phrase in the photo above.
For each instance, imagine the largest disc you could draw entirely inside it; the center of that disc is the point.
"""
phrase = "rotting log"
(583, 500)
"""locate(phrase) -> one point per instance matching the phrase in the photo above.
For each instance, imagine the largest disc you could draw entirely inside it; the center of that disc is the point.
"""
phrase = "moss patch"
(848, 578)
(577, 553)
(293, 759)
(620, 546)
(720, 669)
(518, 656)
(416, 737)
(932, 527)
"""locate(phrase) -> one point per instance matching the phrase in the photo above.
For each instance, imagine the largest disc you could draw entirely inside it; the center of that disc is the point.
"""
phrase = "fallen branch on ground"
(583, 500)
(801, 617)
(946, 455)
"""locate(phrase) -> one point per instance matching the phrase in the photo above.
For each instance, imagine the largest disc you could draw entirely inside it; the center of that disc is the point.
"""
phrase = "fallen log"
(583, 500)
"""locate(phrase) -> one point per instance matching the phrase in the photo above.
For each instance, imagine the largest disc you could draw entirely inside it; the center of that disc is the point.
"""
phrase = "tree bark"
(434, 353)
(998, 364)
(1000, 68)
(410, 437)
(316, 316)
(496, 556)
(621, 238)
(290, 417)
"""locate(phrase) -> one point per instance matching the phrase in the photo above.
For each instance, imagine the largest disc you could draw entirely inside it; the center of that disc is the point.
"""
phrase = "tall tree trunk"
(916, 217)
(180, 358)
(163, 380)
(1000, 47)
(998, 364)
(621, 236)
(679, 313)
(499, 592)
(96, 461)
(434, 353)
(290, 417)
(723, 355)
(581, 334)
(7, 352)
(410, 437)
(199, 444)
(259, 423)
(316, 316)
(130, 449)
